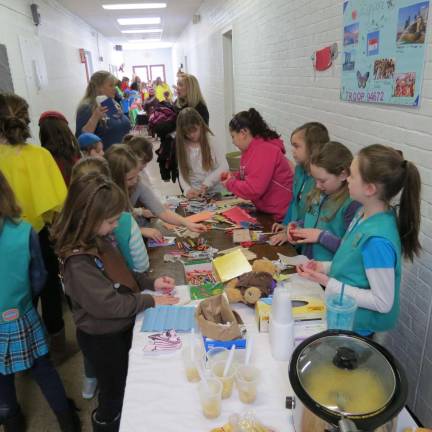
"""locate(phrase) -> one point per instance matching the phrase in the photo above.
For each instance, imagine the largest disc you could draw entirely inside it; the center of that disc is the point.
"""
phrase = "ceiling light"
(138, 21)
(144, 40)
(143, 31)
(146, 45)
(128, 6)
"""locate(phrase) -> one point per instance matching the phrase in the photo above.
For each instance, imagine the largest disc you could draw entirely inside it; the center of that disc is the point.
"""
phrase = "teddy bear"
(250, 287)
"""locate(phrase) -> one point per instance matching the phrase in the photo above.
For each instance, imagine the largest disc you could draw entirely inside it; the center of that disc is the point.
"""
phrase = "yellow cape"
(36, 181)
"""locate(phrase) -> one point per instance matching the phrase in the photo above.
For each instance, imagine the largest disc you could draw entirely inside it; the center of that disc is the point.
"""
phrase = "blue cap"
(87, 139)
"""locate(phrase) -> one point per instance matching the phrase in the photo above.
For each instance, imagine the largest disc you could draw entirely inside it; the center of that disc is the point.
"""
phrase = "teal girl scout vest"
(15, 289)
(303, 183)
(122, 235)
(317, 217)
(347, 266)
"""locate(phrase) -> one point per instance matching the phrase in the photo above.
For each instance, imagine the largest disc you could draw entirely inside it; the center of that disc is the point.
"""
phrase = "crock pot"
(349, 382)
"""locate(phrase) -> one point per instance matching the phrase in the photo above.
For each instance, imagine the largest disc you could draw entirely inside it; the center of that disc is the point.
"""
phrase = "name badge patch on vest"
(10, 315)
(99, 264)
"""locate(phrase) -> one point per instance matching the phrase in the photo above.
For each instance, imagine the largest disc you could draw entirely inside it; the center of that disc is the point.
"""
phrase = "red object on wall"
(82, 55)
(324, 58)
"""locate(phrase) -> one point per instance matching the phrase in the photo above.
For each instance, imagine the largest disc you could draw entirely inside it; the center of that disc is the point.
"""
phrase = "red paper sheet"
(237, 215)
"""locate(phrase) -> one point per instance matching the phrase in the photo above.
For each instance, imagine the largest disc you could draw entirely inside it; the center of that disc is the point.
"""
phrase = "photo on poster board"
(384, 51)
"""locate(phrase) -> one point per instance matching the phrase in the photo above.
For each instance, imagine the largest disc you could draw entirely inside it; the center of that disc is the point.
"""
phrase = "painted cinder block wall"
(272, 42)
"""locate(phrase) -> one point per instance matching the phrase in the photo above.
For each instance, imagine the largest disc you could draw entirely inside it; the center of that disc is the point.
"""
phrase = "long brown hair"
(58, 139)
(315, 135)
(9, 208)
(90, 164)
(193, 92)
(253, 121)
(387, 168)
(91, 200)
(335, 158)
(14, 118)
(187, 120)
(141, 147)
(121, 160)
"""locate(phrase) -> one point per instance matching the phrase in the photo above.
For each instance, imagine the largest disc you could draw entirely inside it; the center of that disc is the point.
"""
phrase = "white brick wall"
(272, 44)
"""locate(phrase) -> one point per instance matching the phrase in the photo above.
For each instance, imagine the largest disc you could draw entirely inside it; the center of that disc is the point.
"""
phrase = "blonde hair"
(96, 81)
(121, 160)
(193, 92)
(90, 164)
(188, 119)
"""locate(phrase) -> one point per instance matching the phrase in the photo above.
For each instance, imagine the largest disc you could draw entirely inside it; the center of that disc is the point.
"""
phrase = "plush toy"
(250, 287)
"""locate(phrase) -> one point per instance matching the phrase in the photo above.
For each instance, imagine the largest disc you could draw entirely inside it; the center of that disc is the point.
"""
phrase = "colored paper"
(237, 215)
(231, 265)
(162, 318)
(384, 46)
(167, 241)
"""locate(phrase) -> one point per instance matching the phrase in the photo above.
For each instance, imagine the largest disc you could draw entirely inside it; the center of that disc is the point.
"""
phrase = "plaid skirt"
(21, 342)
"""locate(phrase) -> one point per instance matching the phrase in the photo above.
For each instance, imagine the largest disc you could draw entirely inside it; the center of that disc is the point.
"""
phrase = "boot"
(69, 420)
(100, 426)
(15, 423)
(58, 341)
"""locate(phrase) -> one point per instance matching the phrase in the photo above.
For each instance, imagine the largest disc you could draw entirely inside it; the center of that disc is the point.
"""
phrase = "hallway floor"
(39, 416)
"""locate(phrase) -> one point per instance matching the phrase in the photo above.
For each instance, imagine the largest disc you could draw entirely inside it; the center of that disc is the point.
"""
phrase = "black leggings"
(51, 296)
(109, 355)
(47, 379)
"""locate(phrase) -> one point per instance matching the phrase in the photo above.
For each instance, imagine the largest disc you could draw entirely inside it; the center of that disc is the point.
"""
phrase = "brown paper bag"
(214, 311)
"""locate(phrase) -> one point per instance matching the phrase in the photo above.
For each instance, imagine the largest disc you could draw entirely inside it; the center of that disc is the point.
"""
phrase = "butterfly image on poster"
(362, 79)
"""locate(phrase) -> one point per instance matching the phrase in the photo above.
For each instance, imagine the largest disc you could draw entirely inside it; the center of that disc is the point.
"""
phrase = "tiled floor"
(39, 416)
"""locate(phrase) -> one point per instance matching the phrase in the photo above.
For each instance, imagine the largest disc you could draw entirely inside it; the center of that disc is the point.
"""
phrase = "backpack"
(167, 159)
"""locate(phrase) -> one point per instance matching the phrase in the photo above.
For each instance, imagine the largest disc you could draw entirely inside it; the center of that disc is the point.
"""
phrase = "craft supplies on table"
(238, 215)
(231, 265)
(162, 318)
(167, 241)
(199, 272)
(206, 290)
(167, 341)
(212, 343)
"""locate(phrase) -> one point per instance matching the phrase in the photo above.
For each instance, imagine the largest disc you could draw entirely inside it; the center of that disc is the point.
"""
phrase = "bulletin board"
(384, 44)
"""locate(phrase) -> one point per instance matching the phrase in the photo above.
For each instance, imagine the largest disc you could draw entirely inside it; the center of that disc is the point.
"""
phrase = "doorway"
(142, 72)
(156, 71)
(229, 107)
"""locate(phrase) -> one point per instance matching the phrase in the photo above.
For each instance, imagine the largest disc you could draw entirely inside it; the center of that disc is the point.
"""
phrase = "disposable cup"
(247, 380)
(340, 315)
(190, 364)
(227, 381)
(210, 396)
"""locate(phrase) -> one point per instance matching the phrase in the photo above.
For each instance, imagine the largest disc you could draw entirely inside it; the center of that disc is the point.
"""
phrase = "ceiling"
(174, 18)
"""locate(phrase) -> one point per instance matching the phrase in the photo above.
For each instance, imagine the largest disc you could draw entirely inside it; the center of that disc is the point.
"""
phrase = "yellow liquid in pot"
(358, 391)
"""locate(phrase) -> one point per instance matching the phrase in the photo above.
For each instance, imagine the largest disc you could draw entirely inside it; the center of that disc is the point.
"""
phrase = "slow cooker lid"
(346, 375)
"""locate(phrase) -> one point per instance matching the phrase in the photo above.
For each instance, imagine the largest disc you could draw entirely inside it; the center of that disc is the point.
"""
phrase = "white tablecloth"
(158, 397)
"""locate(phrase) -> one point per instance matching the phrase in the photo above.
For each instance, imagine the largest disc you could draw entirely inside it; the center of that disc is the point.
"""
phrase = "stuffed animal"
(250, 287)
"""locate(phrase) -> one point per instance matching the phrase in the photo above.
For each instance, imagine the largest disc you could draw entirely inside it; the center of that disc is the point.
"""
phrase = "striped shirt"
(138, 250)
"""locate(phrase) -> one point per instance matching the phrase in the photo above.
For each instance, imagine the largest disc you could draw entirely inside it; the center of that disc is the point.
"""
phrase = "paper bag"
(213, 312)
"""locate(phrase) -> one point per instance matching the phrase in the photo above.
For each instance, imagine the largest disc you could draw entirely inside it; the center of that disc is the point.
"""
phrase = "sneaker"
(89, 388)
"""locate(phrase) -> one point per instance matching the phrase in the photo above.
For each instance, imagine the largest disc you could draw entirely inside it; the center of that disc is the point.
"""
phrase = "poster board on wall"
(384, 44)
(6, 84)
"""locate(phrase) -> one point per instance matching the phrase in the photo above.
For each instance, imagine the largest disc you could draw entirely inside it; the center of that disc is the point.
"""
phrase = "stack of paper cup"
(281, 328)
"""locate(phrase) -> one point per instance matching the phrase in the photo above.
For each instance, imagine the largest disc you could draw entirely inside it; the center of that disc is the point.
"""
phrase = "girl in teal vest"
(305, 140)
(23, 344)
(368, 261)
(329, 208)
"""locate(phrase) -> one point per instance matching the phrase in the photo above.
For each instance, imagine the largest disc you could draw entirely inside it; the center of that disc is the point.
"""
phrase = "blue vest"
(303, 183)
(317, 217)
(122, 235)
(15, 289)
(347, 266)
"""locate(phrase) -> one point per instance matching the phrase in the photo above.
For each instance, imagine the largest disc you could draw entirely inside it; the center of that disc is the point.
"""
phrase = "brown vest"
(115, 267)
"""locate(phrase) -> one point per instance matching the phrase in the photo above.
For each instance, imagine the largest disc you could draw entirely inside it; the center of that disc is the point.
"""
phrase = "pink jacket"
(267, 177)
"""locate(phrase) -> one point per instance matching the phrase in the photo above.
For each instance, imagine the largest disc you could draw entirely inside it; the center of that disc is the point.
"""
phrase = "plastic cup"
(210, 397)
(247, 380)
(216, 354)
(190, 364)
(227, 381)
(340, 316)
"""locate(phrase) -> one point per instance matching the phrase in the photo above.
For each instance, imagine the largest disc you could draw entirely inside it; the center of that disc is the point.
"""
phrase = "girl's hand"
(195, 227)
(289, 232)
(165, 300)
(225, 177)
(279, 239)
(203, 189)
(193, 193)
(164, 284)
(276, 227)
(313, 275)
(311, 265)
(99, 112)
(141, 211)
(152, 233)
(306, 235)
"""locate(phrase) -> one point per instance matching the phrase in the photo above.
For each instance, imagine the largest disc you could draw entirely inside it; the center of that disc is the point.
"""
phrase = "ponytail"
(387, 168)
(253, 121)
(14, 118)
(409, 211)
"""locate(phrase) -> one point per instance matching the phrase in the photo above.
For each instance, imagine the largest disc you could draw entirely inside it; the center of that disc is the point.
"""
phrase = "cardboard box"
(212, 343)
(309, 308)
